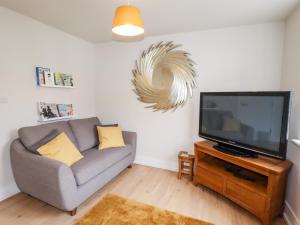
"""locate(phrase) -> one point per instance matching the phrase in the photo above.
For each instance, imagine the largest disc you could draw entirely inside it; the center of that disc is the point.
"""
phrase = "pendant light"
(127, 21)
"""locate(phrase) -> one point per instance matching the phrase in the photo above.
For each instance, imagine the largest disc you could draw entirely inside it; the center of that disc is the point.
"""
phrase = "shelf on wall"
(55, 86)
(56, 118)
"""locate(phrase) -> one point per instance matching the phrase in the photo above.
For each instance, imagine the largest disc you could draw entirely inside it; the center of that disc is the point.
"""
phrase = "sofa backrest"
(85, 132)
(31, 135)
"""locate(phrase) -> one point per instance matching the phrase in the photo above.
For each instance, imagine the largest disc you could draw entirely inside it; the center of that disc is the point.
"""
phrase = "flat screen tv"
(246, 123)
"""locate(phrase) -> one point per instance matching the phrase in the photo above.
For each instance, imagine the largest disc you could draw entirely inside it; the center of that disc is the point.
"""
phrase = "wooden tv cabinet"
(263, 197)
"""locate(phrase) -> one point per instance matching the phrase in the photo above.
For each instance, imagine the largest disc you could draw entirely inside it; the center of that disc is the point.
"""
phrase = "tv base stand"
(234, 151)
(262, 192)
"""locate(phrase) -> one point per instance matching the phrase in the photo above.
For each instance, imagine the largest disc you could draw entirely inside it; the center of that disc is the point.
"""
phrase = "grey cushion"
(43, 141)
(109, 125)
(85, 131)
(31, 135)
(96, 161)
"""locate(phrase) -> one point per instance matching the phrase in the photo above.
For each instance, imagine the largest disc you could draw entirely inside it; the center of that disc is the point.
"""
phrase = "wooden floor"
(157, 187)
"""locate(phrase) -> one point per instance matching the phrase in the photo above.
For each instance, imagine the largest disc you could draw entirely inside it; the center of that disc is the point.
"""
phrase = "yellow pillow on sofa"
(110, 137)
(61, 149)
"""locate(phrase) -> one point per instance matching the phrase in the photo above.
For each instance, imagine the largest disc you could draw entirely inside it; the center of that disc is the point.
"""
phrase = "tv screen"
(255, 121)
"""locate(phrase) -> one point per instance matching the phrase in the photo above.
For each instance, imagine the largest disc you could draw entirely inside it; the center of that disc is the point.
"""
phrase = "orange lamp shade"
(128, 21)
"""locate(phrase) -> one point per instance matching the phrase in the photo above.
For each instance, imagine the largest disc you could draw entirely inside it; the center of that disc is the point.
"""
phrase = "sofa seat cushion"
(95, 162)
(85, 132)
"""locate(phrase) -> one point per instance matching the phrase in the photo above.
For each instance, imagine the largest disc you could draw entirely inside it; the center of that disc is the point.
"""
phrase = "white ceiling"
(91, 19)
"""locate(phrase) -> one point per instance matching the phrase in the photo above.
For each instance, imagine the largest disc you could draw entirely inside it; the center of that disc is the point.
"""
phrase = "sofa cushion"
(110, 137)
(95, 162)
(85, 132)
(43, 141)
(61, 149)
(31, 135)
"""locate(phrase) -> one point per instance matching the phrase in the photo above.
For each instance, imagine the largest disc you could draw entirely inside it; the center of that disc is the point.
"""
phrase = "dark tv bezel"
(284, 128)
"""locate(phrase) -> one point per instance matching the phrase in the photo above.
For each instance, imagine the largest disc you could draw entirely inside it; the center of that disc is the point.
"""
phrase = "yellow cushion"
(61, 149)
(110, 137)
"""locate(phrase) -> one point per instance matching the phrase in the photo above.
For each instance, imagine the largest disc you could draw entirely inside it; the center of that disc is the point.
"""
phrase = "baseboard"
(155, 162)
(8, 191)
(290, 216)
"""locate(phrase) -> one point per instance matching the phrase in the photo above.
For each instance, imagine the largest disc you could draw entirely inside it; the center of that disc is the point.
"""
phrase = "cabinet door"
(210, 179)
(248, 199)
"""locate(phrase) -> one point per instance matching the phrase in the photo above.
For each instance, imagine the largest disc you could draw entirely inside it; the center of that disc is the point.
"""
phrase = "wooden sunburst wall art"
(164, 77)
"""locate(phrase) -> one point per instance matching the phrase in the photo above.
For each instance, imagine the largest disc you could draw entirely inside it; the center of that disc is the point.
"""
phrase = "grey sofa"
(54, 182)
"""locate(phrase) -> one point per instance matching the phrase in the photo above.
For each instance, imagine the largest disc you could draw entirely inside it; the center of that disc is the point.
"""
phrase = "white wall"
(246, 58)
(291, 81)
(24, 44)
(231, 59)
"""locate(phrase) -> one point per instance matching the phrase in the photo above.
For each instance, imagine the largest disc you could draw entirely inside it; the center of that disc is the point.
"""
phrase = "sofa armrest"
(131, 139)
(46, 179)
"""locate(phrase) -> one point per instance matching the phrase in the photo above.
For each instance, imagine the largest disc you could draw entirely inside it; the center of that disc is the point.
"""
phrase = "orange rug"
(114, 210)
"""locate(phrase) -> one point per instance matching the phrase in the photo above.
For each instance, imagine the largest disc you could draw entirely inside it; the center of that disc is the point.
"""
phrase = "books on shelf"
(65, 110)
(183, 154)
(58, 80)
(50, 111)
(187, 164)
(49, 78)
(45, 77)
(67, 80)
(40, 75)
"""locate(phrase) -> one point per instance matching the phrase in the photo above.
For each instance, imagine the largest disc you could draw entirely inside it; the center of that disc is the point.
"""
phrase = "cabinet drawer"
(246, 198)
(210, 179)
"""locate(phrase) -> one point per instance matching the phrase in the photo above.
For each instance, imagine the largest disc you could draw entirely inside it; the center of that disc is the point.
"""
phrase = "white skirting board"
(155, 162)
(8, 191)
(290, 216)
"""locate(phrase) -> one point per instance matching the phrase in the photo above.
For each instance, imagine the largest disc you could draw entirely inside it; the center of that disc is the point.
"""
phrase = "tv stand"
(256, 184)
(235, 151)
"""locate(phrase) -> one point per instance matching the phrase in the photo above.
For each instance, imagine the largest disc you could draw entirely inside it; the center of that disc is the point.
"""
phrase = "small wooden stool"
(185, 164)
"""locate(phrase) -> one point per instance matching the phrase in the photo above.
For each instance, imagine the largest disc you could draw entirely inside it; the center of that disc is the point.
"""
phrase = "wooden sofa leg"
(73, 212)
(130, 166)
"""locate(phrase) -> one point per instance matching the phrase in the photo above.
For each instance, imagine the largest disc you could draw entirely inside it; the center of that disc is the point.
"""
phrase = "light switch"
(3, 100)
